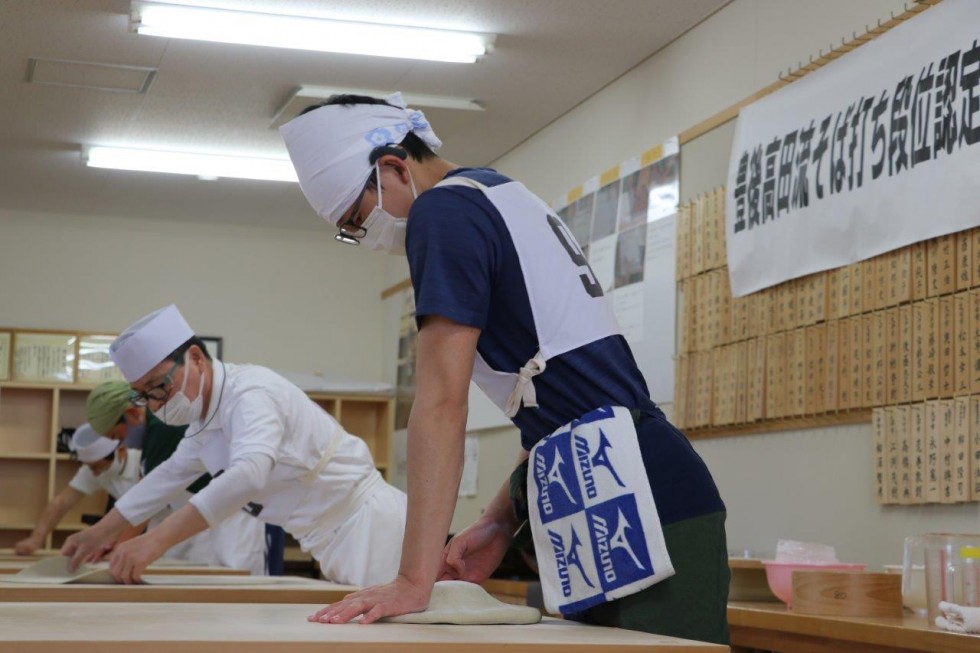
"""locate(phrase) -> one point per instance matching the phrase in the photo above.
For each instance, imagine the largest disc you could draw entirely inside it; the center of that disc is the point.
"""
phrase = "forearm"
(436, 437)
(111, 525)
(50, 518)
(176, 528)
(129, 532)
(435, 462)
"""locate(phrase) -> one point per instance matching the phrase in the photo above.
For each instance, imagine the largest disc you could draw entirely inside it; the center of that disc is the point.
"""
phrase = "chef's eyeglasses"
(350, 230)
(158, 392)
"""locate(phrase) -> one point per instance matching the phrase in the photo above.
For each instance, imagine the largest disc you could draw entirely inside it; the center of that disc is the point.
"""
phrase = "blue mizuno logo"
(601, 458)
(565, 557)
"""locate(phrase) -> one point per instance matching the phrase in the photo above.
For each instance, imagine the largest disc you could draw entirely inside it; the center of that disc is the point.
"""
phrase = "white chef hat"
(149, 340)
(330, 148)
(89, 446)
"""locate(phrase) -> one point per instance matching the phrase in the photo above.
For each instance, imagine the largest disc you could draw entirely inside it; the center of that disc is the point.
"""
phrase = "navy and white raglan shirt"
(465, 267)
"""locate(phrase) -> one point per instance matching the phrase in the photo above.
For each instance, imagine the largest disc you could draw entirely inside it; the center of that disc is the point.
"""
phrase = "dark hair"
(412, 144)
(178, 354)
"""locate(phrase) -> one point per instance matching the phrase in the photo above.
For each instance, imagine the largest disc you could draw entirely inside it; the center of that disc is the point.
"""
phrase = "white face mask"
(383, 231)
(179, 410)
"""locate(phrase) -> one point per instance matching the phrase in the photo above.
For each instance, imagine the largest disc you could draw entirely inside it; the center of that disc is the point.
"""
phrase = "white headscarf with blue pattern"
(330, 146)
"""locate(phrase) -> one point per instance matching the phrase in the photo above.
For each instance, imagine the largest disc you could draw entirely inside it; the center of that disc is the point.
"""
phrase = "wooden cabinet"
(32, 472)
(31, 469)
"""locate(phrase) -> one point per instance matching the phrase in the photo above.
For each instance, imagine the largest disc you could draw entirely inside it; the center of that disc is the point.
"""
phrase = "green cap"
(106, 405)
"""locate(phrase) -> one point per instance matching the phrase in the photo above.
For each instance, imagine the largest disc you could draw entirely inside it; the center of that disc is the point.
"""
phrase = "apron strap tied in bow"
(523, 391)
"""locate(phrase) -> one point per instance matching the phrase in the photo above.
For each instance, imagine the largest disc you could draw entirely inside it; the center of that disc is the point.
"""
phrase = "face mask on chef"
(379, 231)
(179, 410)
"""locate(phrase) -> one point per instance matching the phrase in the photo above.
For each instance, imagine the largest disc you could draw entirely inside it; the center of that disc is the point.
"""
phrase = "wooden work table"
(304, 591)
(8, 567)
(774, 627)
(264, 628)
(8, 555)
(292, 590)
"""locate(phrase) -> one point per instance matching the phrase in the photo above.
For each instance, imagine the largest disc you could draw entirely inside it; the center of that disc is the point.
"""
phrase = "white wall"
(728, 57)
(288, 299)
(815, 484)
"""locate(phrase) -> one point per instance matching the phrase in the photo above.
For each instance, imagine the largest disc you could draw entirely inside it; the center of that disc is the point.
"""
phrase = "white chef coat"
(341, 511)
(86, 481)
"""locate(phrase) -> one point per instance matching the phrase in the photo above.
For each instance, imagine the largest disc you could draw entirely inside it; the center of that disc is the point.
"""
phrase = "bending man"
(270, 449)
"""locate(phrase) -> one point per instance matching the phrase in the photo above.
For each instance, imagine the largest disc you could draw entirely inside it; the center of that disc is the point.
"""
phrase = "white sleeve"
(165, 483)
(230, 491)
(256, 423)
(84, 481)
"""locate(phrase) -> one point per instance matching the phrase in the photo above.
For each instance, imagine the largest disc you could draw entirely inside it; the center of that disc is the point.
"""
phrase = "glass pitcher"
(952, 569)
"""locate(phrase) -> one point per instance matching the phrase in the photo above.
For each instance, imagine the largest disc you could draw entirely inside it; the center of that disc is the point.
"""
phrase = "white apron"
(566, 300)
(372, 512)
(597, 535)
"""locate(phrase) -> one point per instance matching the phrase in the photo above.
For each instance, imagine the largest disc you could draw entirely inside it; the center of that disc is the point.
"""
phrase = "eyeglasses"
(158, 392)
(350, 230)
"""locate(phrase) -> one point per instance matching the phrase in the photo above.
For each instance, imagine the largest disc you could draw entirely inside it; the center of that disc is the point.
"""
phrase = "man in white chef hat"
(105, 466)
(98, 454)
(239, 542)
(271, 450)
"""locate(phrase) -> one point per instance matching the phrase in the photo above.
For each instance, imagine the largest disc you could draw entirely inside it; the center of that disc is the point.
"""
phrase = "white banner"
(874, 151)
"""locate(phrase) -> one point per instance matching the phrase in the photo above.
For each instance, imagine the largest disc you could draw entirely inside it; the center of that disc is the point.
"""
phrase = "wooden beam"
(862, 416)
(725, 115)
(397, 288)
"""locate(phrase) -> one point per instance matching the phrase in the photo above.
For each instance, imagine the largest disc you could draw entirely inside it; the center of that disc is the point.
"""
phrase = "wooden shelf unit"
(369, 417)
(32, 472)
(29, 423)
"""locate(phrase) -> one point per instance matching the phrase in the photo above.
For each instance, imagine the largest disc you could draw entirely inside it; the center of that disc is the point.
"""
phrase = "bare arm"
(131, 558)
(435, 461)
(436, 430)
(92, 543)
(64, 501)
(130, 532)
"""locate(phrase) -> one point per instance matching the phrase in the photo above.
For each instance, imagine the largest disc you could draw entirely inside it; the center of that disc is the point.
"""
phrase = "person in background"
(270, 450)
(237, 542)
(105, 465)
(504, 296)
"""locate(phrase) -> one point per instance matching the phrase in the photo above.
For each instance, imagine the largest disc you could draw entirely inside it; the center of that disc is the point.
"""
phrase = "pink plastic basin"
(780, 575)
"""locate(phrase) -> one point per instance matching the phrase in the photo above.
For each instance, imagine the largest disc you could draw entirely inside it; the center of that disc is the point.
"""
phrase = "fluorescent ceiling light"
(205, 166)
(303, 33)
(411, 99)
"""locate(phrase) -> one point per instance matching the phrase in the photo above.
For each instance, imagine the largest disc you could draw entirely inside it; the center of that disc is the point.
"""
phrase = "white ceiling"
(549, 55)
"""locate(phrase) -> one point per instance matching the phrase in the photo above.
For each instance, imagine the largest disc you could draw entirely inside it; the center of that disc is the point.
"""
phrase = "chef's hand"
(131, 558)
(400, 596)
(89, 545)
(27, 546)
(475, 552)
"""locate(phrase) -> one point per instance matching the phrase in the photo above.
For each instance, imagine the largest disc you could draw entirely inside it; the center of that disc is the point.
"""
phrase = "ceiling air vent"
(86, 74)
